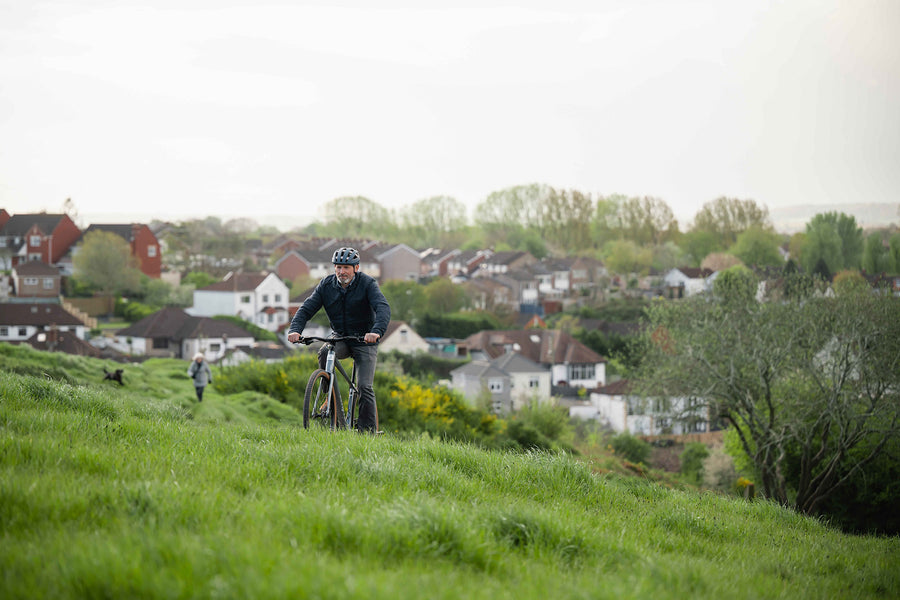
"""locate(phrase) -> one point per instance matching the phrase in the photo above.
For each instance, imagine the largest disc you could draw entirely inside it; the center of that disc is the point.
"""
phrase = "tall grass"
(111, 493)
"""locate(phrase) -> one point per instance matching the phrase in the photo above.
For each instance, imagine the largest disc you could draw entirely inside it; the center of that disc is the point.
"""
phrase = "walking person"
(355, 306)
(200, 372)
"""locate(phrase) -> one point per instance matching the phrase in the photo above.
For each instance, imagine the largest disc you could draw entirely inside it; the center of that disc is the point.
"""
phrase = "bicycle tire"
(314, 403)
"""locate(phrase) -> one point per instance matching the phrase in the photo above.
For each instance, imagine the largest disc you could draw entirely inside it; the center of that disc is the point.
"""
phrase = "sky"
(191, 108)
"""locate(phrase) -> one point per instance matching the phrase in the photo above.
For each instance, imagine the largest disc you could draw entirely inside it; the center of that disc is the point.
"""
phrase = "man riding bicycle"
(355, 307)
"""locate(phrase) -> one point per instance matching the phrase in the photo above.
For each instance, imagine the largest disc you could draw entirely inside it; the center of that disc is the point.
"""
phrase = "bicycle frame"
(332, 365)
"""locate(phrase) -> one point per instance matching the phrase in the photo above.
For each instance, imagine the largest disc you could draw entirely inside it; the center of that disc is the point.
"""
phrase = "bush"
(692, 462)
(631, 448)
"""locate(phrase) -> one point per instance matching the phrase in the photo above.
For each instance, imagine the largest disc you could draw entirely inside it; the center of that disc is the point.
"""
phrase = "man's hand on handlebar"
(371, 338)
(295, 338)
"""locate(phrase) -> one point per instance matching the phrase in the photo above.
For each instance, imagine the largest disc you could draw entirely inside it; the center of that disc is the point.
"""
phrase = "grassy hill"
(109, 492)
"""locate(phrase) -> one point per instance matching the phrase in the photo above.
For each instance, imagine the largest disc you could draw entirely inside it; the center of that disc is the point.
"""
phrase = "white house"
(403, 338)
(260, 298)
(20, 321)
(621, 411)
(688, 281)
(512, 380)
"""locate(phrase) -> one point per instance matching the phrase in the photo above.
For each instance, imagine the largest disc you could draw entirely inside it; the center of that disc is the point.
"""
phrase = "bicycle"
(322, 402)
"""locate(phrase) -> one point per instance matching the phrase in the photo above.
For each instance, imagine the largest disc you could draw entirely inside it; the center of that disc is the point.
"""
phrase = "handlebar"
(330, 340)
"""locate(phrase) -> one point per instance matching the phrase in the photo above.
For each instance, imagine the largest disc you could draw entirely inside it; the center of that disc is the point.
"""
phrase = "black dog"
(114, 376)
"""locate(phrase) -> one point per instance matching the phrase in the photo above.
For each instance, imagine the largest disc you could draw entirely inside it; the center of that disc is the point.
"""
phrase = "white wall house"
(260, 298)
(688, 281)
(616, 408)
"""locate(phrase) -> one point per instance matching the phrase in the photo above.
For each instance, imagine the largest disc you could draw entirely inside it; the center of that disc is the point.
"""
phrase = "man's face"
(345, 273)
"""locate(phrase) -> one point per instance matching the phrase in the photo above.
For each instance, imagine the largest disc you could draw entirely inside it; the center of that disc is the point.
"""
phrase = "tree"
(646, 220)
(105, 261)
(625, 257)
(520, 205)
(355, 217)
(834, 238)
(811, 388)
(566, 219)
(725, 218)
(444, 296)
(876, 256)
(407, 300)
(700, 244)
(758, 247)
(718, 261)
(430, 220)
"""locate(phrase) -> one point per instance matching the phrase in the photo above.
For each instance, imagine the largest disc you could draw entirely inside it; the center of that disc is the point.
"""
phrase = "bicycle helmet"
(345, 256)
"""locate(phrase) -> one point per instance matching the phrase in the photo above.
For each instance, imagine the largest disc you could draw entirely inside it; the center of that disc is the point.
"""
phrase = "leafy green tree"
(758, 247)
(199, 279)
(356, 217)
(566, 220)
(443, 296)
(430, 221)
(505, 209)
(805, 385)
(877, 256)
(407, 299)
(725, 218)
(697, 245)
(605, 224)
(834, 238)
(105, 261)
(625, 256)
(646, 220)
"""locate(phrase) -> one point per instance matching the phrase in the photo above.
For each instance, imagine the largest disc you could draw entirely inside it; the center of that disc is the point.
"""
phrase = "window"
(495, 385)
(215, 347)
(534, 382)
(151, 251)
(35, 256)
(4, 331)
(271, 318)
(48, 283)
(160, 343)
(31, 281)
(576, 372)
(245, 299)
(34, 241)
(277, 298)
(23, 331)
(265, 298)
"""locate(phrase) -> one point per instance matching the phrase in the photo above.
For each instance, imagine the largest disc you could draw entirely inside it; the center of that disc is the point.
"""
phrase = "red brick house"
(36, 279)
(144, 245)
(44, 237)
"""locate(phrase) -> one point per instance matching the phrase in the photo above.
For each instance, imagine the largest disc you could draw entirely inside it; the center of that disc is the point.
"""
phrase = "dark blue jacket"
(359, 309)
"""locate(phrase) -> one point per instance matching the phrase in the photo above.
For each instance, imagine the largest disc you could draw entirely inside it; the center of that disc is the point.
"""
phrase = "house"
(572, 364)
(687, 281)
(292, 266)
(36, 279)
(616, 407)
(505, 261)
(402, 338)
(145, 247)
(20, 321)
(466, 262)
(435, 261)
(397, 262)
(42, 237)
(67, 342)
(512, 381)
(479, 379)
(172, 332)
(260, 298)
(487, 293)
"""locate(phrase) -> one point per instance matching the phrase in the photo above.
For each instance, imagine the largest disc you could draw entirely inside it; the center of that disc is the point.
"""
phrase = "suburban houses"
(505, 369)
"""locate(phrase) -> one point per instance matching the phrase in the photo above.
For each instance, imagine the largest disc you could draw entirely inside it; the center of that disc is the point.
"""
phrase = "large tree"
(725, 218)
(433, 221)
(758, 247)
(646, 220)
(835, 239)
(811, 388)
(104, 260)
(356, 217)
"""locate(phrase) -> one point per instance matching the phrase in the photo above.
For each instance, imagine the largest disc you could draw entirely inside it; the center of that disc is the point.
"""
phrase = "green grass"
(139, 492)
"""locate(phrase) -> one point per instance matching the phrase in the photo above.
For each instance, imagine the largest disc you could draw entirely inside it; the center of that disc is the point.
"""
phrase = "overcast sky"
(192, 107)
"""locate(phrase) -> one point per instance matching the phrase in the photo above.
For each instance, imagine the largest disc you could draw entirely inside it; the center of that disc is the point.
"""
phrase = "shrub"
(692, 462)
(631, 448)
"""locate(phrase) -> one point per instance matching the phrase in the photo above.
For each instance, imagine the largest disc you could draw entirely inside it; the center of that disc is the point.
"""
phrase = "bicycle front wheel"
(318, 408)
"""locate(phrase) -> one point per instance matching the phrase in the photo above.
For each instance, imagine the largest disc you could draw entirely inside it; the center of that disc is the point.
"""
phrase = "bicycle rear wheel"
(318, 409)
